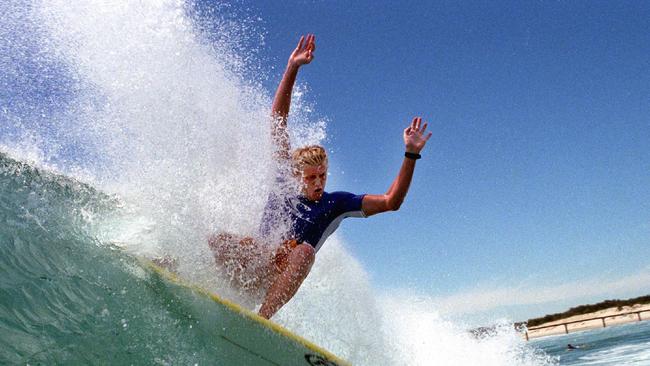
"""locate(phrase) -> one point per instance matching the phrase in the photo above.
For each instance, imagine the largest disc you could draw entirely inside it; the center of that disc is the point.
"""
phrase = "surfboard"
(240, 336)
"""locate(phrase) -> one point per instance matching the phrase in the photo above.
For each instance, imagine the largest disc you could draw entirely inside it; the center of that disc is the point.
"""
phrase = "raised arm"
(302, 55)
(415, 140)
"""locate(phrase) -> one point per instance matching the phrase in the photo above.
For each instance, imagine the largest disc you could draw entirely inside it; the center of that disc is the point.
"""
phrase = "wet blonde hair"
(307, 155)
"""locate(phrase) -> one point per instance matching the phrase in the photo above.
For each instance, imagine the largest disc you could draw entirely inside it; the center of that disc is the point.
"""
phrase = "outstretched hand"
(414, 137)
(304, 52)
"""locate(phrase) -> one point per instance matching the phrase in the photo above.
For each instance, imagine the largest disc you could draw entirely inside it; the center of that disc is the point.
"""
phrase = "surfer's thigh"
(280, 257)
(239, 256)
(228, 247)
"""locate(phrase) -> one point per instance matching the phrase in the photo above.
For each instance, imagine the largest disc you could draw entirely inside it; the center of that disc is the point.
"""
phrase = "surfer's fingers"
(428, 137)
(417, 123)
(413, 124)
(299, 46)
(424, 128)
(313, 42)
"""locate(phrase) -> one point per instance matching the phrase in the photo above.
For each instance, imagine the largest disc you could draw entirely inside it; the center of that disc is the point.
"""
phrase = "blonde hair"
(307, 155)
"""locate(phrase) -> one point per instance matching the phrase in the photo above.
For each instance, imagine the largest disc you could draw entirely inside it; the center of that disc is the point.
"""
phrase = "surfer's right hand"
(304, 52)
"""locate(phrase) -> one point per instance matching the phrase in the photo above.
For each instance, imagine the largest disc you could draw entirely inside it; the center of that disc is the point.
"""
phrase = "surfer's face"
(313, 181)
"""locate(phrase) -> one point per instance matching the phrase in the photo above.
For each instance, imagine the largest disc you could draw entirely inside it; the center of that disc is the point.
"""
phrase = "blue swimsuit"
(311, 221)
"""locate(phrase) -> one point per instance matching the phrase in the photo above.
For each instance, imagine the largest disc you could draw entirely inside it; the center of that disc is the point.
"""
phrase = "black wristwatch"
(413, 156)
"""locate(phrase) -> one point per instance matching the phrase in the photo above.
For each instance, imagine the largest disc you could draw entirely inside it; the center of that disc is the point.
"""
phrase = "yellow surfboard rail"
(170, 276)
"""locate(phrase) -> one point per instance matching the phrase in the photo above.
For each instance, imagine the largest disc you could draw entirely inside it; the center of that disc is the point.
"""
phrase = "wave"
(66, 297)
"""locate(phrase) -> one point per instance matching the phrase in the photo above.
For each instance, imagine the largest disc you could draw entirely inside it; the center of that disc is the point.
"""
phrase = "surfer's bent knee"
(305, 251)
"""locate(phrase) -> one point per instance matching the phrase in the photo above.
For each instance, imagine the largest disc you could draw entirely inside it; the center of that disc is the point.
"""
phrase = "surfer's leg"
(287, 283)
(240, 258)
(227, 247)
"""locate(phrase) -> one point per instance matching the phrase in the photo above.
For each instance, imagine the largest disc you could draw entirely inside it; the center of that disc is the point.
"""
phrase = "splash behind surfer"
(312, 213)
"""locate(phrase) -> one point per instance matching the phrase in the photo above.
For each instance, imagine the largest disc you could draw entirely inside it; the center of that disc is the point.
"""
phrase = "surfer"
(311, 213)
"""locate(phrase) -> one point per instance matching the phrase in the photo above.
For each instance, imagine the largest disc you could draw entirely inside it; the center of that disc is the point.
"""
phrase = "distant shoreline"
(612, 317)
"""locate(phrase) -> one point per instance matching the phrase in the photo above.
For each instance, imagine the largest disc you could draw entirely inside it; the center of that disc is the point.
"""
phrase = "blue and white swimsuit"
(311, 222)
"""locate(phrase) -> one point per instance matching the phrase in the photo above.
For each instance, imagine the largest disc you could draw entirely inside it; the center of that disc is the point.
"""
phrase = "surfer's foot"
(167, 262)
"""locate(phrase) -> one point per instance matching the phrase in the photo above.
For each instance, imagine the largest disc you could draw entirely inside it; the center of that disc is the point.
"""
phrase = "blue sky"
(537, 174)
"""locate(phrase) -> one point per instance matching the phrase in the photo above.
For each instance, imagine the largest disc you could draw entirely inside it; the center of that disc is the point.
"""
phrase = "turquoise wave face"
(66, 297)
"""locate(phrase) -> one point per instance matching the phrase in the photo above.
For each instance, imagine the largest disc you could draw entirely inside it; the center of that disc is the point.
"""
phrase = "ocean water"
(132, 128)
(68, 299)
(627, 344)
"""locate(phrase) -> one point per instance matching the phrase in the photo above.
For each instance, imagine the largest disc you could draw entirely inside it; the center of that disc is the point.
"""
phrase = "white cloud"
(487, 298)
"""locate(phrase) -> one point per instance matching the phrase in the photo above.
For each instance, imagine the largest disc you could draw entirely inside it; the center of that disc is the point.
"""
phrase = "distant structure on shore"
(584, 317)
(590, 308)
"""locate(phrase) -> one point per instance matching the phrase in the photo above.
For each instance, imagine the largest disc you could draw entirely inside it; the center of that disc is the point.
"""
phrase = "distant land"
(586, 309)
(603, 314)
(612, 310)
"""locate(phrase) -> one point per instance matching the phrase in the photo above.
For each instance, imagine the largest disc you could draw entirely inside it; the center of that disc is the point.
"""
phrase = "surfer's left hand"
(414, 137)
